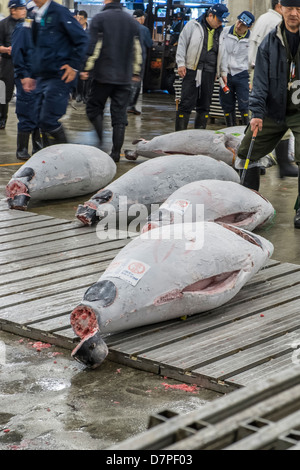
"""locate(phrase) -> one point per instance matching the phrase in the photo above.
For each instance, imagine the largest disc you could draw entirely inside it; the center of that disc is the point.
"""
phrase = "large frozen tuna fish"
(190, 142)
(176, 270)
(60, 172)
(152, 182)
(214, 201)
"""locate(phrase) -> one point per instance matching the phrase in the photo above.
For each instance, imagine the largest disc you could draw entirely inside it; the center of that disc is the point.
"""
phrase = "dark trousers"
(270, 136)
(99, 94)
(196, 97)
(7, 76)
(26, 109)
(52, 100)
(239, 91)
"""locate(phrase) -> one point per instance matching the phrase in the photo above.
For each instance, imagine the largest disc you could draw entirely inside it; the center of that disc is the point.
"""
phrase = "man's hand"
(69, 75)
(136, 78)
(224, 78)
(28, 84)
(182, 71)
(84, 75)
(256, 122)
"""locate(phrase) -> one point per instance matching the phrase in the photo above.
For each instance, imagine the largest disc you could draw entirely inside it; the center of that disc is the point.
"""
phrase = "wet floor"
(48, 401)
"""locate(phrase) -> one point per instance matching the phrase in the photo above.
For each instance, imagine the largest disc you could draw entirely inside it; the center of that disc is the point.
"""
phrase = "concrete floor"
(48, 401)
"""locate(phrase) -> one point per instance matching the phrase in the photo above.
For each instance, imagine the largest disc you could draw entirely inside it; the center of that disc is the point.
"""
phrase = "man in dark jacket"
(115, 57)
(60, 45)
(17, 14)
(274, 101)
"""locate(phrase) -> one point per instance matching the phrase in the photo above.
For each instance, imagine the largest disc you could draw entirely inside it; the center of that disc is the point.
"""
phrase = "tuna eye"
(103, 291)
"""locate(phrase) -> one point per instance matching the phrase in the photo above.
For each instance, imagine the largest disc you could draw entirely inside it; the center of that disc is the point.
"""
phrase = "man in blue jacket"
(60, 45)
(274, 101)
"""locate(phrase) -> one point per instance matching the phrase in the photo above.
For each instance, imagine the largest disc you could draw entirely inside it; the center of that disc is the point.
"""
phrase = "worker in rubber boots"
(60, 45)
(197, 58)
(17, 14)
(234, 68)
(275, 98)
(26, 97)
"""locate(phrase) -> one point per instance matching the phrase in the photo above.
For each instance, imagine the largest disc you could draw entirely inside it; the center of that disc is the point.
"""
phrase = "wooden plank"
(21, 224)
(9, 280)
(30, 232)
(35, 251)
(56, 236)
(13, 215)
(84, 249)
(245, 359)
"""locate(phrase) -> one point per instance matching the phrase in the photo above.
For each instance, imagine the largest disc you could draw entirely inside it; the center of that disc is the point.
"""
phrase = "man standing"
(60, 44)
(234, 68)
(17, 14)
(196, 58)
(146, 43)
(274, 101)
(115, 57)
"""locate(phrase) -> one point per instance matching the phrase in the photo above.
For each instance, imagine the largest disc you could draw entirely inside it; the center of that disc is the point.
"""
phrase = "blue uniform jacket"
(58, 40)
(22, 49)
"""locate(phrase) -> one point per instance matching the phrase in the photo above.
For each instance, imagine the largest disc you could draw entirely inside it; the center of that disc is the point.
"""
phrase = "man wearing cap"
(17, 13)
(146, 43)
(274, 101)
(60, 45)
(234, 69)
(196, 58)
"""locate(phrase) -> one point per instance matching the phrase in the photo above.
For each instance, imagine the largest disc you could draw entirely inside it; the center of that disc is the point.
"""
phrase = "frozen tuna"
(60, 172)
(214, 144)
(176, 270)
(214, 201)
(152, 182)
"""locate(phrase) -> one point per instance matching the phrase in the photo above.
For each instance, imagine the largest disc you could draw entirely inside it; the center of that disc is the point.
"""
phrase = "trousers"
(196, 97)
(239, 91)
(99, 94)
(270, 136)
(26, 108)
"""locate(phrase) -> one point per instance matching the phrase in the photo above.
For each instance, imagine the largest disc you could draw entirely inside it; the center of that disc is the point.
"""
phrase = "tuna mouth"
(17, 194)
(210, 286)
(239, 218)
(249, 237)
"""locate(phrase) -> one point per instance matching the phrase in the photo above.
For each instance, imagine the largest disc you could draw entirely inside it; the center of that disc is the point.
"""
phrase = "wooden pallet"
(263, 416)
(46, 265)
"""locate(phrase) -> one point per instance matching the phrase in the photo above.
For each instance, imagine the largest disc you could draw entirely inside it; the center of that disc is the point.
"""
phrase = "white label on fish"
(130, 271)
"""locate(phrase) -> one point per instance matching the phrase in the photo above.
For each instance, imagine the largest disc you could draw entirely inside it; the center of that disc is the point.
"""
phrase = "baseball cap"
(220, 11)
(247, 18)
(16, 3)
(138, 13)
(290, 3)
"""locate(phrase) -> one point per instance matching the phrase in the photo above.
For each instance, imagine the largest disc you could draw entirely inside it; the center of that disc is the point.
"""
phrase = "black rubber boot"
(245, 118)
(98, 125)
(135, 91)
(201, 120)
(118, 139)
(286, 168)
(22, 146)
(229, 119)
(181, 121)
(57, 136)
(3, 115)
(297, 207)
(252, 178)
(36, 141)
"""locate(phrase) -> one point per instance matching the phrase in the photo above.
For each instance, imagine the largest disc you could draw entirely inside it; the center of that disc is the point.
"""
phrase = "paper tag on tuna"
(130, 271)
(176, 205)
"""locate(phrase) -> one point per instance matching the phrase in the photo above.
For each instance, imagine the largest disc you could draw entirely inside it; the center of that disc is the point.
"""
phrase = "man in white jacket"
(196, 58)
(234, 68)
(263, 26)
